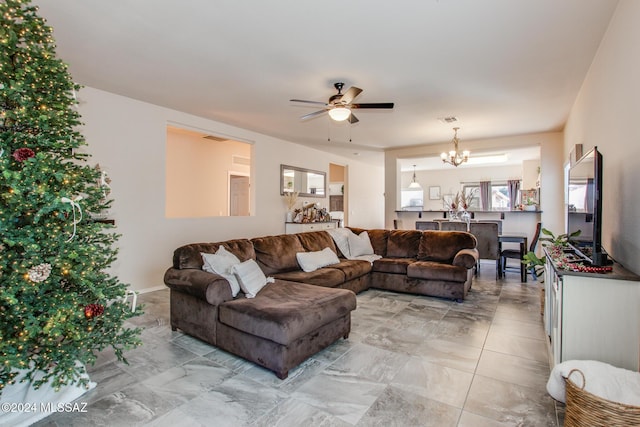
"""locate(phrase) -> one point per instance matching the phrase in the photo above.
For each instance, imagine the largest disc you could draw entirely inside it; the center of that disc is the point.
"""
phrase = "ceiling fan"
(340, 105)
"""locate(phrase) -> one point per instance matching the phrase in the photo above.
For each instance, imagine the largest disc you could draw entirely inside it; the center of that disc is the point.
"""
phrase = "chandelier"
(454, 157)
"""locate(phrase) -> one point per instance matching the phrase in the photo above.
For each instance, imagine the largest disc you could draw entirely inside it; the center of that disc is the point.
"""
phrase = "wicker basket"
(587, 409)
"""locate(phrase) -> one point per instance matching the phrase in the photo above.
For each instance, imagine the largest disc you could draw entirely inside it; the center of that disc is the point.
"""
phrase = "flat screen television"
(584, 211)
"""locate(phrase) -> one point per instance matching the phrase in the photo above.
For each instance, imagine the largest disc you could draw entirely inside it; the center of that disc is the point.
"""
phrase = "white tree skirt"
(22, 405)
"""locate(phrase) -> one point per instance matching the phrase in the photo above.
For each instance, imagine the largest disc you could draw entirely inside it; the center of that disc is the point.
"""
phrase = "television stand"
(592, 315)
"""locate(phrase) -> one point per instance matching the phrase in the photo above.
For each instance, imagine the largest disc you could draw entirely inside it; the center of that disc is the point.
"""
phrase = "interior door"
(239, 195)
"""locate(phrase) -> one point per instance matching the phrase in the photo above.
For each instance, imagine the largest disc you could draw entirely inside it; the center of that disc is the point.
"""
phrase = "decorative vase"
(464, 216)
(289, 216)
(530, 207)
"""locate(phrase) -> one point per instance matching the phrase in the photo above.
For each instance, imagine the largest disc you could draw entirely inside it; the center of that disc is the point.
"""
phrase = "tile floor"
(409, 361)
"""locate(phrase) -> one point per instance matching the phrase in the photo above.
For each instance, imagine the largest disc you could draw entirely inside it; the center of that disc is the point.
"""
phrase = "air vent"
(214, 138)
(449, 119)
(239, 160)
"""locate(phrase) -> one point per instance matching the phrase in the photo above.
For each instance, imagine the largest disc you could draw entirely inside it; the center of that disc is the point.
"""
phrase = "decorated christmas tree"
(59, 305)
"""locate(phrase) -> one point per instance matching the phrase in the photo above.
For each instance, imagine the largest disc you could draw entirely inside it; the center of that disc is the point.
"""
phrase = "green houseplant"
(535, 263)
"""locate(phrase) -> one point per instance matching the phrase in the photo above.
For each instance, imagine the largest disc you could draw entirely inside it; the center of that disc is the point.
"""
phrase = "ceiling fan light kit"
(455, 157)
(339, 114)
(340, 105)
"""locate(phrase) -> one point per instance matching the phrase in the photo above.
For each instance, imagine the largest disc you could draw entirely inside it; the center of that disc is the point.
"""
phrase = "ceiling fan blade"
(350, 95)
(312, 115)
(308, 102)
(353, 119)
(373, 105)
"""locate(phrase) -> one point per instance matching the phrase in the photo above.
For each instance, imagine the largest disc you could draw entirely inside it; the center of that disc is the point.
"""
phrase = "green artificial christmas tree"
(58, 303)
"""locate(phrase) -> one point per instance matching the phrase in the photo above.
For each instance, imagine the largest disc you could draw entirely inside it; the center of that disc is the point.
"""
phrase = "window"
(499, 196)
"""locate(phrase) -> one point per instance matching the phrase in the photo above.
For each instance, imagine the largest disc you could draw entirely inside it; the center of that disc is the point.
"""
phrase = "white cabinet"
(593, 316)
(296, 227)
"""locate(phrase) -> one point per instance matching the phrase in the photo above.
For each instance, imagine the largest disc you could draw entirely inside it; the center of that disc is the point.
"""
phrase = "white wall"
(605, 115)
(127, 137)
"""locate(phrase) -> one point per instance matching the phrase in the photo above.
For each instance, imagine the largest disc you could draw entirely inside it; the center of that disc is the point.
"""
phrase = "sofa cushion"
(352, 268)
(444, 245)
(316, 241)
(277, 254)
(327, 276)
(403, 243)
(311, 261)
(392, 265)
(287, 311)
(431, 270)
(188, 256)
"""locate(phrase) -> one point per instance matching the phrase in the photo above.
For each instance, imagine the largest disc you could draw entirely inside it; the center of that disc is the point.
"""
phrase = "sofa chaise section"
(284, 326)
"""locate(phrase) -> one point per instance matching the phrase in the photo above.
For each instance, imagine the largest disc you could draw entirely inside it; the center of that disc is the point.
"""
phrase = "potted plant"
(533, 262)
(529, 204)
(537, 265)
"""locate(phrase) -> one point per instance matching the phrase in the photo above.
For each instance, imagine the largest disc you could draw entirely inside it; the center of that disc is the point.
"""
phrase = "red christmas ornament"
(22, 154)
(93, 310)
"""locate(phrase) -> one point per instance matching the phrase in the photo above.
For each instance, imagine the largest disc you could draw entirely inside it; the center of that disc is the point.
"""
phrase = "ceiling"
(501, 67)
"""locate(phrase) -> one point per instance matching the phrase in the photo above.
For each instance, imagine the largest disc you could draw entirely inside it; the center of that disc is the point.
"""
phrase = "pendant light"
(414, 184)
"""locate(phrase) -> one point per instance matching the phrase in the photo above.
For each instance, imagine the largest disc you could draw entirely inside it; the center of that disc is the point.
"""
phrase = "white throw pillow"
(311, 261)
(221, 263)
(360, 244)
(251, 278)
(341, 238)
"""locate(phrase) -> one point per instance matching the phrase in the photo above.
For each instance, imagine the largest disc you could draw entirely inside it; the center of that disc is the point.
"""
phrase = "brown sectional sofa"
(304, 312)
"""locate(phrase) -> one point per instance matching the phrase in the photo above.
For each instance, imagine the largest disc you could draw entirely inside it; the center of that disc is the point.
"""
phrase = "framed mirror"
(307, 182)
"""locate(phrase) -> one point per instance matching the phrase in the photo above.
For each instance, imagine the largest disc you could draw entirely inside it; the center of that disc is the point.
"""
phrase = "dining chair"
(427, 225)
(453, 226)
(497, 221)
(506, 254)
(488, 245)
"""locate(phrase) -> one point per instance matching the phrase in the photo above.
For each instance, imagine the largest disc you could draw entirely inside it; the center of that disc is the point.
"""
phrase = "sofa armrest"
(466, 258)
(209, 287)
